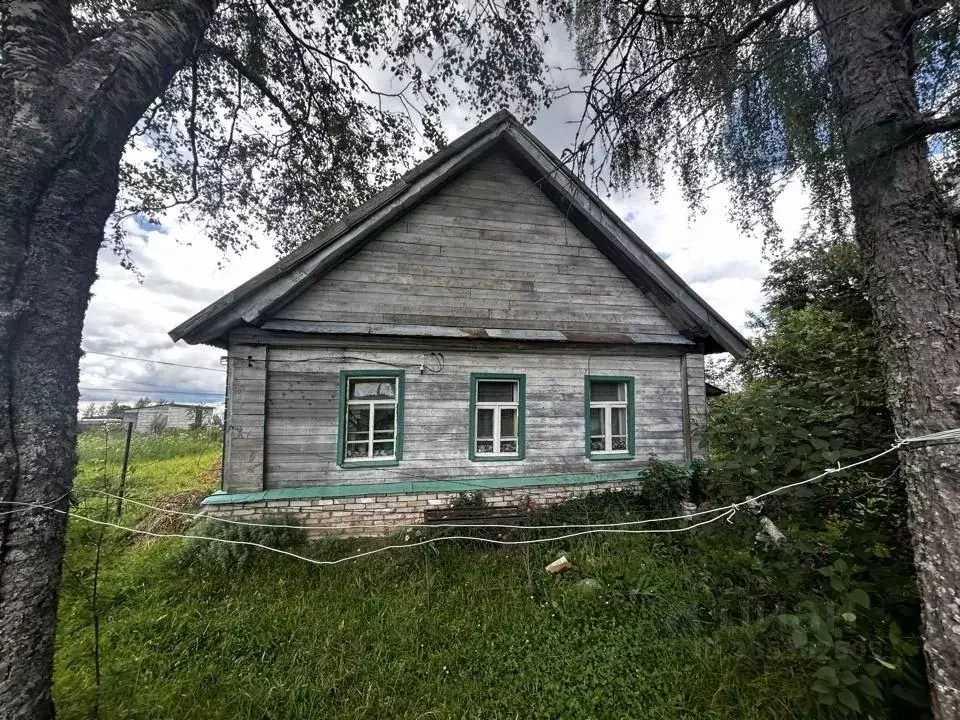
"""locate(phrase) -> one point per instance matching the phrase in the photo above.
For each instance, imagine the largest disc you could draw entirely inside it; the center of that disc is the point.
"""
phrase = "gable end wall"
(489, 250)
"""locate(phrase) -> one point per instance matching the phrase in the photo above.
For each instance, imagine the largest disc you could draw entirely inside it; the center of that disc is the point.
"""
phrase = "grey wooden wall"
(491, 251)
(282, 419)
(244, 417)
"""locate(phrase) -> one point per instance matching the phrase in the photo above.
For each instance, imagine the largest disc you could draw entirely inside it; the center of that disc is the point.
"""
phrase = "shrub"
(240, 551)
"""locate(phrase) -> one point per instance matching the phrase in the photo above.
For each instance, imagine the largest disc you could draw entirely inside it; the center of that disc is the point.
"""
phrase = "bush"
(240, 551)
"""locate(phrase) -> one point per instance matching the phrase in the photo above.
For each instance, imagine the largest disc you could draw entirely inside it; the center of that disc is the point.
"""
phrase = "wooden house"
(485, 324)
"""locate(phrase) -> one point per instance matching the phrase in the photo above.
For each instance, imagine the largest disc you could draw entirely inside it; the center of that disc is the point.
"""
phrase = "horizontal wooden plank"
(468, 238)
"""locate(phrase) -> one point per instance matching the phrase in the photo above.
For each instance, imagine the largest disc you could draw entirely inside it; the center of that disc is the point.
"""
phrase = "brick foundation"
(371, 515)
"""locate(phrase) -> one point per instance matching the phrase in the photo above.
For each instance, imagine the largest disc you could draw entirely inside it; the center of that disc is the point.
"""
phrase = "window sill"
(360, 464)
(496, 458)
(610, 456)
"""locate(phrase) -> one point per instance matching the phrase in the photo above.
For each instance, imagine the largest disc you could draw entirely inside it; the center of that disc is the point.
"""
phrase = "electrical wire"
(157, 362)
(134, 391)
(158, 386)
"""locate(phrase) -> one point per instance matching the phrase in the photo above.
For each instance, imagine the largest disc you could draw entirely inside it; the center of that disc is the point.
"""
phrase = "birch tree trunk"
(909, 241)
(65, 116)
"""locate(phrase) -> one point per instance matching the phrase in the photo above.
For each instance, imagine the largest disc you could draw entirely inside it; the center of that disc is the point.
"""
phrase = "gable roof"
(253, 302)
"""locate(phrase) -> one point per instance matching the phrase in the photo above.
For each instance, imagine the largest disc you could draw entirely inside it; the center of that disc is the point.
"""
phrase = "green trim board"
(521, 381)
(631, 418)
(346, 375)
(423, 486)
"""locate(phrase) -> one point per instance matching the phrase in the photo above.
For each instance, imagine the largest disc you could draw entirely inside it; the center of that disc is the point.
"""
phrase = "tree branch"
(766, 16)
(255, 79)
(926, 126)
(129, 67)
(925, 9)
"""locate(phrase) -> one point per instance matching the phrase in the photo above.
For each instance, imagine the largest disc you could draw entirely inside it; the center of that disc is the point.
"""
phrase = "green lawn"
(676, 629)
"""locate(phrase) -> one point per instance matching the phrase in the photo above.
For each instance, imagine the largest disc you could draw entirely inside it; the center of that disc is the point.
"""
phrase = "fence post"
(123, 467)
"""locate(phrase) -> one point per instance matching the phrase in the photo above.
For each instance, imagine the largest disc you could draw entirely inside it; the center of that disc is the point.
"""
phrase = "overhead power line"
(155, 386)
(134, 391)
(157, 362)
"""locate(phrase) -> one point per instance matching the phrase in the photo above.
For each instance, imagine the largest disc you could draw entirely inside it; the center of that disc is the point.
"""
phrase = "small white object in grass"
(561, 564)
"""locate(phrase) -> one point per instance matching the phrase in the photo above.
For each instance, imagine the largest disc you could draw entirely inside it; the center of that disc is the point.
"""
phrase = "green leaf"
(828, 674)
(799, 638)
(849, 617)
(848, 699)
(860, 597)
(883, 662)
(869, 687)
(823, 635)
(819, 444)
(822, 687)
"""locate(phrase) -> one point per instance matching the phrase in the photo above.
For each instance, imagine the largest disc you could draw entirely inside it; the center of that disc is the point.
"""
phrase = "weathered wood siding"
(244, 418)
(487, 251)
(301, 413)
(697, 399)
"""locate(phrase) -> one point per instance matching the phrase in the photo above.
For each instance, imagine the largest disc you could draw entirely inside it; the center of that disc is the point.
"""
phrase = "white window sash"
(608, 407)
(497, 408)
(371, 405)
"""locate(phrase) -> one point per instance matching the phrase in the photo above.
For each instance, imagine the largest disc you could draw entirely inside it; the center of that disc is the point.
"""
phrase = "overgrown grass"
(678, 627)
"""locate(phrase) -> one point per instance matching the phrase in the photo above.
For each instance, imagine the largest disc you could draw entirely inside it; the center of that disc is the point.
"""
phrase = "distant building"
(169, 416)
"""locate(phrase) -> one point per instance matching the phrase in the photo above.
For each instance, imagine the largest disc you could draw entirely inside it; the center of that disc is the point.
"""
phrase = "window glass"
(358, 422)
(383, 449)
(596, 422)
(496, 391)
(601, 391)
(618, 421)
(508, 423)
(384, 421)
(373, 389)
(484, 423)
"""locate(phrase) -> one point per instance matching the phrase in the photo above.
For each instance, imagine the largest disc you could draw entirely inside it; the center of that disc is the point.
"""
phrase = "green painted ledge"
(420, 486)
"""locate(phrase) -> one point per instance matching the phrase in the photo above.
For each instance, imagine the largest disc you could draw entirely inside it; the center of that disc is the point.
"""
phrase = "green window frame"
(607, 408)
(346, 376)
(497, 413)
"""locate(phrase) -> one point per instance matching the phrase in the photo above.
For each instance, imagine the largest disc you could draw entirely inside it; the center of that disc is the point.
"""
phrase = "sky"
(181, 272)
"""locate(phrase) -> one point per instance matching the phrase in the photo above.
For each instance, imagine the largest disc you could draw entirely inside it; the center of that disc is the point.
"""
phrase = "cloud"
(144, 223)
(182, 273)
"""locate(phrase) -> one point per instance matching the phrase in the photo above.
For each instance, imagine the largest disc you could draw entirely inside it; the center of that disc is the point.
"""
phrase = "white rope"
(31, 506)
(385, 548)
(726, 512)
(939, 436)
